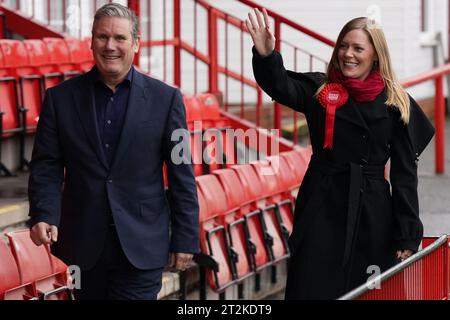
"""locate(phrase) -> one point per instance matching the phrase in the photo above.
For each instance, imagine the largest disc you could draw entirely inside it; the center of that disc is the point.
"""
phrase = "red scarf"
(360, 90)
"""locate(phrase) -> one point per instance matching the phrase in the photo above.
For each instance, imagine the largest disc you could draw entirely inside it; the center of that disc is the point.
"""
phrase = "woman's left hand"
(404, 254)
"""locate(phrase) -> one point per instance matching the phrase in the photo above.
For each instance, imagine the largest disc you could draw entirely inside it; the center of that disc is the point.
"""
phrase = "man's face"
(113, 46)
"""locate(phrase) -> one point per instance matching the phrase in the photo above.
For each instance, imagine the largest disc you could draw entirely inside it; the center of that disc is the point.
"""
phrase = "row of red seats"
(27, 68)
(246, 216)
(207, 129)
(29, 272)
(210, 146)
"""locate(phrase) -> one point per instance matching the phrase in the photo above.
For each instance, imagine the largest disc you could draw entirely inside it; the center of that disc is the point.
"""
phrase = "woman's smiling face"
(356, 55)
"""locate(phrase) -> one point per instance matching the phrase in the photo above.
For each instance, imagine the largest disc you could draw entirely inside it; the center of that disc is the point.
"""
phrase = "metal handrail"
(437, 75)
(291, 23)
(429, 75)
(394, 270)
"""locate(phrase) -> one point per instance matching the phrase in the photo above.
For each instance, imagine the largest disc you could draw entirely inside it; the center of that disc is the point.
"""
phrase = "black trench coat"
(347, 215)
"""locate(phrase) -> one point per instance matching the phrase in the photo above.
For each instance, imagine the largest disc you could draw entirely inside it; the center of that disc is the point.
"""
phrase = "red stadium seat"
(210, 110)
(10, 284)
(213, 239)
(212, 148)
(80, 54)
(15, 54)
(220, 148)
(30, 87)
(260, 248)
(36, 265)
(60, 56)
(10, 123)
(40, 60)
(298, 162)
(193, 110)
(193, 119)
(286, 181)
(274, 226)
(9, 106)
(17, 62)
(3, 71)
(304, 152)
(196, 148)
(235, 222)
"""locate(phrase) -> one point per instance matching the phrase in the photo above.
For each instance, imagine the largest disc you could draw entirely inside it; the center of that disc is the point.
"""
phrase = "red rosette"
(331, 97)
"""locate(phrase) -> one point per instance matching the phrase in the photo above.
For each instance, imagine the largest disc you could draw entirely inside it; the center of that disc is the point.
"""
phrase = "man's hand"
(404, 254)
(259, 29)
(43, 233)
(179, 261)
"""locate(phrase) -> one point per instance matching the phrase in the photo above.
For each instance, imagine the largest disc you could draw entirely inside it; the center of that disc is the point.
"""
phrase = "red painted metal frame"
(30, 29)
(177, 49)
(26, 27)
(279, 21)
(2, 25)
(136, 7)
(439, 108)
(425, 279)
(211, 58)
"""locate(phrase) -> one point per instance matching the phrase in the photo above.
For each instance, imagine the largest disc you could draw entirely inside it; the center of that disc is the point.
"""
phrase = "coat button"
(110, 180)
(364, 136)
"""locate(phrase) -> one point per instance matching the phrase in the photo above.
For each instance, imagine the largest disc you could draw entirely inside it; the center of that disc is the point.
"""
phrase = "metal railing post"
(177, 38)
(439, 119)
(136, 7)
(213, 85)
(447, 269)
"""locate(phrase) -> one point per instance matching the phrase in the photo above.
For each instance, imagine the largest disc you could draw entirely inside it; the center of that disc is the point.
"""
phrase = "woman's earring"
(375, 63)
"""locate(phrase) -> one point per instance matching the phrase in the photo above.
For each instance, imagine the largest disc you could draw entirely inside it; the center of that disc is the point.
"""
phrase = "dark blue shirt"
(111, 109)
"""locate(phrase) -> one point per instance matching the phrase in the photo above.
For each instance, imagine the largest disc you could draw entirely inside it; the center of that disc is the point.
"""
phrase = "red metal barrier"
(439, 108)
(278, 22)
(218, 46)
(424, 276)
(216, 55)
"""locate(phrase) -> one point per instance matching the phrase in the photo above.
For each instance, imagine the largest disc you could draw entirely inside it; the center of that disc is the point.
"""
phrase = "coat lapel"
(84, 102)
(349, 112)
(373, 110)
(137, 100)
(376, 109)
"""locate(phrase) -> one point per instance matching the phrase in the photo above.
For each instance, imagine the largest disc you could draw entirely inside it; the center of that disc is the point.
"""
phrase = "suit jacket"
(72, 185)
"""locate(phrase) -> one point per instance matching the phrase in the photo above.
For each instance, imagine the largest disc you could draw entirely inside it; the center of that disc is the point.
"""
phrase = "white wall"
(400, 20)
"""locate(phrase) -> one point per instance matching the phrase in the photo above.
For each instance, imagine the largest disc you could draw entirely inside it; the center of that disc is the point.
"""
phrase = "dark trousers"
(115, 278)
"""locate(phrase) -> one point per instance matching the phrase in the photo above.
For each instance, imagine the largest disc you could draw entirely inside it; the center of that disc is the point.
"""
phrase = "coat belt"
(357, 173)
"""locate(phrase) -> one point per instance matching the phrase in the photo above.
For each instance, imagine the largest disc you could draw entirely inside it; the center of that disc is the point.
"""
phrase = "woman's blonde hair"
(396, 95)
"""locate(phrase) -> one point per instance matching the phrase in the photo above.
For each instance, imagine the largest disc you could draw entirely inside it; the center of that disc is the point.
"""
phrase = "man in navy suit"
(96, 187)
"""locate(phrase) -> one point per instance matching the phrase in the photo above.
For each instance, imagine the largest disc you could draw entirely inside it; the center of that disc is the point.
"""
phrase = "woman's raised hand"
(259, 29)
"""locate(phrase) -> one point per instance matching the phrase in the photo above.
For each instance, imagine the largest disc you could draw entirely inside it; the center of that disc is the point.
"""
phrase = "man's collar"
(97, 79)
